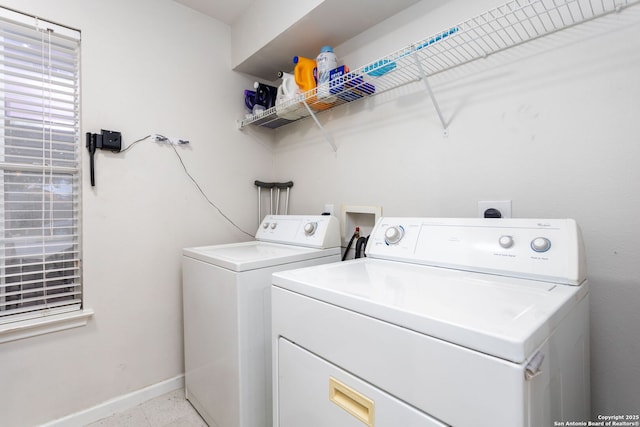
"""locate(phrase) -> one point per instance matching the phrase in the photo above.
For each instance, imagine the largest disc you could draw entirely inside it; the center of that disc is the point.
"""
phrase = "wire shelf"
(511, 24)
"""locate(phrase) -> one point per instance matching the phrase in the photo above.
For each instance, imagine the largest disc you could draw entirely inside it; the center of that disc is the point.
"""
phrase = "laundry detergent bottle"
(288, 105)
(325, 62)
(304, 72)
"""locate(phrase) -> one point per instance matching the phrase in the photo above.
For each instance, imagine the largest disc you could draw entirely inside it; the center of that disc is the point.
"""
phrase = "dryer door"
(312, 392)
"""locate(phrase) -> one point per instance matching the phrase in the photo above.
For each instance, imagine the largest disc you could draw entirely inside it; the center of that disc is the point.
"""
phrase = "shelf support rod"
(326, 135)
(430, 91)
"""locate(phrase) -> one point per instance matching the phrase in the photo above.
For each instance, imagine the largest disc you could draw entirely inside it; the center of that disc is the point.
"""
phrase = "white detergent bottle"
(326, 61)
(287, 101)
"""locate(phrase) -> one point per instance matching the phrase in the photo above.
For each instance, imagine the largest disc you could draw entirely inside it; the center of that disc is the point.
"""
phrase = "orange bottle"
(304, 73)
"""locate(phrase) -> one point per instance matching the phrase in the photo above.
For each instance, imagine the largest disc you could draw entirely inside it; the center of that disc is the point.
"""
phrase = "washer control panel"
(315, 231)
(549, 250)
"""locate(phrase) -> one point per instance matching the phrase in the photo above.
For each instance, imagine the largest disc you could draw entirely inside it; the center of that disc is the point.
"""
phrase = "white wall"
(552, 125)
(148, 66)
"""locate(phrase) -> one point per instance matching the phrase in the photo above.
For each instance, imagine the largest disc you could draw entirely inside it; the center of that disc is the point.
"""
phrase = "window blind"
(40, 246)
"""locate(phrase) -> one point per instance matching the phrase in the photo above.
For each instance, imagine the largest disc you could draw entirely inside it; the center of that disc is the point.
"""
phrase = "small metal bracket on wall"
(423, 75)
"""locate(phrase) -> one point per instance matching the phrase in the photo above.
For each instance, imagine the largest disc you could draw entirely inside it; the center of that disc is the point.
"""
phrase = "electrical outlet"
(502, 206)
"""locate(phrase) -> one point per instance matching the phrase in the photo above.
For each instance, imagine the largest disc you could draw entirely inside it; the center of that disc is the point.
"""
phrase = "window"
(40, 162)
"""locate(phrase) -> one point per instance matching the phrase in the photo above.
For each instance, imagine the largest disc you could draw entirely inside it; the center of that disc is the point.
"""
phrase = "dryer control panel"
(314, 231)
(541, 249)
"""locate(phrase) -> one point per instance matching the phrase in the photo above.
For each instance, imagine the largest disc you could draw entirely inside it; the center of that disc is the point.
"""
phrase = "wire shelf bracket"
(326, 134)
(425, 79)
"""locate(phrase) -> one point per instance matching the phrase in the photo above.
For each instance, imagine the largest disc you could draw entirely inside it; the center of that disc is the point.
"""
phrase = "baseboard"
(118, 404)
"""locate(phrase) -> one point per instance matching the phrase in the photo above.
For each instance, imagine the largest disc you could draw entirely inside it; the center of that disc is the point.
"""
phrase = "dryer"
(446, 322)
(227, 321)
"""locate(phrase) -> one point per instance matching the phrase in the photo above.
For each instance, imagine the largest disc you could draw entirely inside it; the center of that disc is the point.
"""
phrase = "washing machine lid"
(501, 316)
(255, 254)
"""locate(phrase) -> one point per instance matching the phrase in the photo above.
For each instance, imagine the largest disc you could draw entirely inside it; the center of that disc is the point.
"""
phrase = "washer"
(227, 314)
(459, 322)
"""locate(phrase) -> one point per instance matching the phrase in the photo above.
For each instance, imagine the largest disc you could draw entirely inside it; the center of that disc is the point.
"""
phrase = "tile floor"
(168, 410)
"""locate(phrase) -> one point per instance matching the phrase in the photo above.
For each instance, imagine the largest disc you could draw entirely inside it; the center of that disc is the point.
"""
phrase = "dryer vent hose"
(361, 244)
(355, 235)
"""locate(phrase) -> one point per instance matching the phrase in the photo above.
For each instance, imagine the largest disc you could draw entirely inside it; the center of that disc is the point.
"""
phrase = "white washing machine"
(447, 322)
(227, 317)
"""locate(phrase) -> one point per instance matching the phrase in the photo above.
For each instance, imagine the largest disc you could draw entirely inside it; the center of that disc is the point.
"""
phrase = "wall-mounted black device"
(106, 140)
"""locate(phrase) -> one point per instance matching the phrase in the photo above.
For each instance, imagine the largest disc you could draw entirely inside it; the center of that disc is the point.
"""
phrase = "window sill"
(44, 325)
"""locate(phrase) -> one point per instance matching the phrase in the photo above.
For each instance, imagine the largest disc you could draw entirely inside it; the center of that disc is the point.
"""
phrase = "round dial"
(506, 241)
(540, 244)
(310, 228)
(274, 225)
(265, 225)
(393, 234)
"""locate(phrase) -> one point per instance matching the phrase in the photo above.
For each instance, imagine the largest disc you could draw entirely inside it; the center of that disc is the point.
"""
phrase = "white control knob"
(506, 241)
(393, 234)
(265, 225)
(274, 225)
(310, 228)
(540, 244)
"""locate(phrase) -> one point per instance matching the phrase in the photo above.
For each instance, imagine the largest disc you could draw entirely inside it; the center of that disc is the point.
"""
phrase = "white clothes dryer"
(446, 322)
(227, 321)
